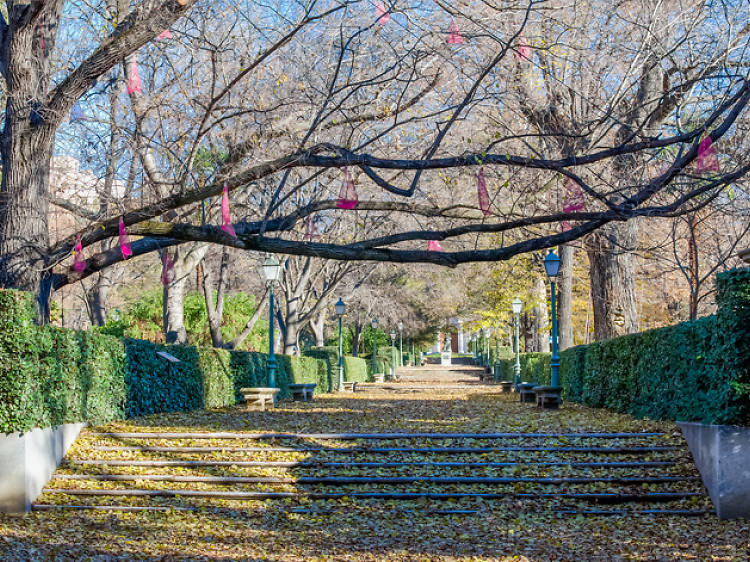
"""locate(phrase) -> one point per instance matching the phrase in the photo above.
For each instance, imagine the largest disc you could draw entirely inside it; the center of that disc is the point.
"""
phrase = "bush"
(693, 371)
(50, 376)
(355, 369)
(330, 356)
(535, 367)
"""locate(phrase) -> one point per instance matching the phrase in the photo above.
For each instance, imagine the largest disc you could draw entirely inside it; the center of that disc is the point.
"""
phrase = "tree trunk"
(565, 302)
(693, 264)
(541, 318)
(613, 280)
(242, 336)
(318, 327)
(357, 337)
(174, 310)
(526, 331)
(97, 297)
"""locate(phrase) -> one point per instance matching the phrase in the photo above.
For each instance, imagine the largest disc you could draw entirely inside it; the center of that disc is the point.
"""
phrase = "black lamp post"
(374, 324)
(340, 309)
(271, 270)
(552, 267)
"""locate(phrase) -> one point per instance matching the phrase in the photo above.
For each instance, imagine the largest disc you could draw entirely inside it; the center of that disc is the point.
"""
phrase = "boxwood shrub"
(50, 375)
(693, 371)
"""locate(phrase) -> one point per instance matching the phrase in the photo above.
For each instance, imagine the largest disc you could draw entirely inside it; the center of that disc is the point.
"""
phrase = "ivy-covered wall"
(50, 375)
(693, 371)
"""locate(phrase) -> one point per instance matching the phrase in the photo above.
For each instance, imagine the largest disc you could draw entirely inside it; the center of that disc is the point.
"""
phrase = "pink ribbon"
(124, 241)
(348, 194)
(573, 201)
(434, 246)
(166, 34)
(226, 220)
(707, 159)
(482, 195)
(523, 50)
(454, 34)
(381, 13)
(79, 264)
(134, 81)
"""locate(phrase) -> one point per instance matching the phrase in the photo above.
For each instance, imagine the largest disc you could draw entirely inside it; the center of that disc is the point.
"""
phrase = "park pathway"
(436, 441)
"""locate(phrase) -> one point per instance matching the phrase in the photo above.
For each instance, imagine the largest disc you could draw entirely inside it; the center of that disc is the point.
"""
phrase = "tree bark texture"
(565, 302)
(540, 316)
(613, 280)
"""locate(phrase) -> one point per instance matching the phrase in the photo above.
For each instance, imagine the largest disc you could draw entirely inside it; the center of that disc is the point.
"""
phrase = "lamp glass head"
(340, 308)
(552, 264)
(374, 323)
(400, 326)
(517, 305)
(271, 269)
(487, 332)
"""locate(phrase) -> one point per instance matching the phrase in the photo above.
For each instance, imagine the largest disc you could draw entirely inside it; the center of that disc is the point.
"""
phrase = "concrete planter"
(722, 455)
(27, 462)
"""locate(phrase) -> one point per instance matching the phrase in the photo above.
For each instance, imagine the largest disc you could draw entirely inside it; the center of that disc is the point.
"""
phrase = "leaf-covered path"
(494, 496)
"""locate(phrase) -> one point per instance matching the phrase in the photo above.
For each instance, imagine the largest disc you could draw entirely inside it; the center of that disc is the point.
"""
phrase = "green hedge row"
(50, 376)
(535, 367)
(355, 368)
(693, 371)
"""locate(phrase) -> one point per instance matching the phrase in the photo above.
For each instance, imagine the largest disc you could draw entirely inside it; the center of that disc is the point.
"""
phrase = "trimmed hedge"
(535, 367)
(355, 369)
(693, 371)
(50, 375)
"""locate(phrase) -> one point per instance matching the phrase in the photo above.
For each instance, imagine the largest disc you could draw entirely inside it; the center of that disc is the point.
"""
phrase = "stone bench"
(302, 391)
(526, 392)
(259, 396)
(350, 386)
(507, 386)
(548, 397)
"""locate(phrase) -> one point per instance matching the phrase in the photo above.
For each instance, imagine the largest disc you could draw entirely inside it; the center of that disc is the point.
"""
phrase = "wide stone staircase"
(455, 473)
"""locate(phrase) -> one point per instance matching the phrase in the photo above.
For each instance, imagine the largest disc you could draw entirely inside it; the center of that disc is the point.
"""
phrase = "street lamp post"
(487, 332)
(551, 395)
(271, 270)
(401, 343)
(340, 309)
(497, 357)
(517, 306)
(374, 324)
(552, 266)
(393, 353)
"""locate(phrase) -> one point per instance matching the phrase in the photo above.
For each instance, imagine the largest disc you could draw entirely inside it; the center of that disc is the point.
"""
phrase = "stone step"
(388, 450)
(367, 436)
(357, 464)
(347, 480)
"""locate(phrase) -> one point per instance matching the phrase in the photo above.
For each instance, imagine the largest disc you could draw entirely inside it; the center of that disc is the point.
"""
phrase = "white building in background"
(447, 340)
(82, 187)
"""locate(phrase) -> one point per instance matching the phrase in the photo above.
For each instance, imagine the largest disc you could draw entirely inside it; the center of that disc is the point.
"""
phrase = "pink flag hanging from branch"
(79, 264)
(166, 34)
(167, 268)
(134, 81)
(226, 219)
(381, 13)
(707, 160)
(124, 241)
(433, 246)
(454, 34)
(573, 201)
(348, 194)
(523, 50)
(482, 195)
